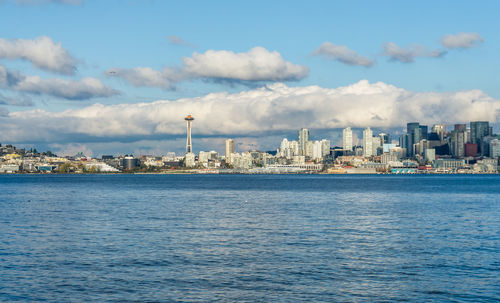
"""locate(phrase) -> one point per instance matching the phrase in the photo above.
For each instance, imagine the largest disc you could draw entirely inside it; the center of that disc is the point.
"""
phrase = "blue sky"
(108, 40)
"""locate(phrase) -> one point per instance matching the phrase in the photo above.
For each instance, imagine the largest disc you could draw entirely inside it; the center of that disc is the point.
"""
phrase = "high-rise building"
(459, 138)
(384, 138)
(229, 149)
(439, 129)
(367, 142)
(325, 147)
(413, 131)
(308, 149)
(303, 139)
(347, 139)
(376, 145)
(479, 130)
(317, 150)
(189, 145)
(416, 132)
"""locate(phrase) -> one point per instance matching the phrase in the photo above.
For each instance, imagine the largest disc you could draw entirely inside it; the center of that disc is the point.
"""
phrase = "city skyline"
(115, 85)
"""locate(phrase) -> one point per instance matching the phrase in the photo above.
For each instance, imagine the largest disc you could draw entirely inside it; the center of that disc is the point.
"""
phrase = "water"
(243, 238)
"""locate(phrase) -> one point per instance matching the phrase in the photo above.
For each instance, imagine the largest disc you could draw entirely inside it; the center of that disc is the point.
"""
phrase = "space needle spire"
(189, 144)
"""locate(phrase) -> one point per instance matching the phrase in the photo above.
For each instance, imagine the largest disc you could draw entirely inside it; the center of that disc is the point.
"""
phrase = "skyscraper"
(367, 142)
(458, 138)
(229, 149)
(189, 144)
(303, 139)
(347, 139)
(479, 130)
(413, 130)
(384, 138)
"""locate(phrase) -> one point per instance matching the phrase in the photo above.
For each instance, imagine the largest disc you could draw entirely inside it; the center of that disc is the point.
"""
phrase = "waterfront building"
(367, 142)
(129, 163)
(229, 150)
(303, 139)
(449, 164)
(430, 154)
(347, 139)
(189, 160)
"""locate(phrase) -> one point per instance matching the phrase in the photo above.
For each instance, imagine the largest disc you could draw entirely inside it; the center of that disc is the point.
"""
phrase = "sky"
(118, 77)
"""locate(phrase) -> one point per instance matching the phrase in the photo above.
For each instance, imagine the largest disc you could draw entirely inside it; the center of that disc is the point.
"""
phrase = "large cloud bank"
(268, 109)
(256, 65)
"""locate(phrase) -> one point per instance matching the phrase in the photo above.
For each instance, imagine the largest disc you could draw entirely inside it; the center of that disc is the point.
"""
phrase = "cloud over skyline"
(42, 52)
(462, 40)
(262, 111)
(342, 54)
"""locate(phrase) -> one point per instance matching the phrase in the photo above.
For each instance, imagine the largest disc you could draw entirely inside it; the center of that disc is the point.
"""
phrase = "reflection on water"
(249, 238)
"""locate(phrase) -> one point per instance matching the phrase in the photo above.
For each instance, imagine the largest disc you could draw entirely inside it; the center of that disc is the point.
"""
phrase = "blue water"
(244, 238)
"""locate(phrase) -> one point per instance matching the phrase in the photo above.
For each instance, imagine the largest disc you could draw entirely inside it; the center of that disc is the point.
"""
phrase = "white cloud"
(461, 40)
(256, 65)
(261, 111)
(41, 52)
(407, 55)
(83, 89)
(342, 54)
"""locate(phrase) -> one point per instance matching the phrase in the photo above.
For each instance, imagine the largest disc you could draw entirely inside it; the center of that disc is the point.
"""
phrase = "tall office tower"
(459, 138)
(367, 142)
(384, 138)
(189, 145)
(479, 130)
(376, 144)
(347, 139)
(413, 131)
(424, 132)
(303, 139)
(229, 149)
(439, 129)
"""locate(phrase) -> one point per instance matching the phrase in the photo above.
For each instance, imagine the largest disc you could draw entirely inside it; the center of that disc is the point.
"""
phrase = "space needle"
(189, 144)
